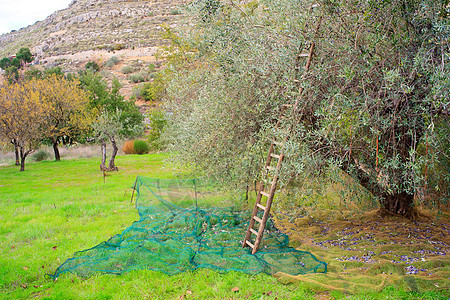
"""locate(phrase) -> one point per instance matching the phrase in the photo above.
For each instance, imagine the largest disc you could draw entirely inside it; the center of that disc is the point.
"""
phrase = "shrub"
(128, 147)
(141, 147)
(151, 68)
(127, 70)
(136, 78)
(93, 66)
(119, 47)
(175, 12)
(112, 62)
(41, 155)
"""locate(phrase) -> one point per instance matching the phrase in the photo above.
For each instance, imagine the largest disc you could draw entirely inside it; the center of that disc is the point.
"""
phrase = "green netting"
(178, 231)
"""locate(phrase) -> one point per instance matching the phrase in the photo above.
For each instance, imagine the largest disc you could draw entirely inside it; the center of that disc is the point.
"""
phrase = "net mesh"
(179, 230)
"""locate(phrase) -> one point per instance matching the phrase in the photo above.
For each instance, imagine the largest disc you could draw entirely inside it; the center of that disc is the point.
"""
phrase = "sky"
(15, 14)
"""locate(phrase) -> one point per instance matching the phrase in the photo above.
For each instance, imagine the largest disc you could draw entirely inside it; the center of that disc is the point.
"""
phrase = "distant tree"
(109, 99)
(23, 116)
(69, 112)
(108, 127)
(24, 55)
(5, 63)
(15, 62)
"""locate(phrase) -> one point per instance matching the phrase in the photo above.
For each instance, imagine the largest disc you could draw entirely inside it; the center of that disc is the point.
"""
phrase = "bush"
(112, 62)
(127, 70)
(175, 12)
(119, 47)
(41, 155)
(140, 77)
(93, 66)
(136, 147)
(141, 147)
(128, 147)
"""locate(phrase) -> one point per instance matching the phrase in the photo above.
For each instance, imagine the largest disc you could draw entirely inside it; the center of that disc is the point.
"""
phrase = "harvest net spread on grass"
(179, 230)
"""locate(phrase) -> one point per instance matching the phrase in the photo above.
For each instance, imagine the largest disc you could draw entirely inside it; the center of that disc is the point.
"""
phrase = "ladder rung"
(264, 194)
(278, 143)
(261, 206)
(254, 231)
(275, 156)
(287, 105)
(257, 219)
(303, 55)
(270, 168)
(250, 244)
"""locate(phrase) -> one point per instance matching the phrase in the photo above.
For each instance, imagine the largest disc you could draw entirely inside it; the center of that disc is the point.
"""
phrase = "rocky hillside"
(89, 25)
(121, 36)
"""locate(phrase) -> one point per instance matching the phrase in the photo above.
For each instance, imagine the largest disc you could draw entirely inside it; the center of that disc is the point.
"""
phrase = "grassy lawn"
(54, 209)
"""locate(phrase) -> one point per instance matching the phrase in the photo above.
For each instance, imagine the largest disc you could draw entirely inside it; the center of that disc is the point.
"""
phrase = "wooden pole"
(134, 188)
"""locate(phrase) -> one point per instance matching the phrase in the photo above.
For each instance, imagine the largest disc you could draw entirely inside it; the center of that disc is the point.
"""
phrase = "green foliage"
(380, 77)
(24, 55)
(140, 77)
(12, 74)
(15, 62)
(151, 68)
(93, 66)
(158, 122)
(114, 60)
(5, 63)
(141, 147)
(41, 155)
(127, 70)
(33, 72)
(155, 90)
(108, 99)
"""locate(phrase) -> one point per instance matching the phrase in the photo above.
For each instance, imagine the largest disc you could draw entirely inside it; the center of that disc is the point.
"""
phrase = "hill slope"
(95, 25)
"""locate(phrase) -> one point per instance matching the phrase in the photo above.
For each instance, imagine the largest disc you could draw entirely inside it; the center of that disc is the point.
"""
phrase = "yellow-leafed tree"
(23, 116)
(34, 109)
(68, 109)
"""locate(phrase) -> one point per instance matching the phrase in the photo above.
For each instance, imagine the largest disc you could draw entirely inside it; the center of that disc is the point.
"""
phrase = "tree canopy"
(378, 87)
(23, 115)
(109, 100)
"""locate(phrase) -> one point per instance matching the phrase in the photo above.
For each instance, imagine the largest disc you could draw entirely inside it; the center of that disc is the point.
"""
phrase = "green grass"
(54, 209)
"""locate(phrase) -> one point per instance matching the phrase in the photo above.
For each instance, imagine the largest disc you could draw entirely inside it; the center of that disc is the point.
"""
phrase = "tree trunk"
(16, 151)
(112, 166)
(55, 148)
(103, 166)
(395, 203)
(399, 204)
(23, 155)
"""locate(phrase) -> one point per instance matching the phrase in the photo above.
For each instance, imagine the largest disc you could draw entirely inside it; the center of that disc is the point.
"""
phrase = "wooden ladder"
(270, 172)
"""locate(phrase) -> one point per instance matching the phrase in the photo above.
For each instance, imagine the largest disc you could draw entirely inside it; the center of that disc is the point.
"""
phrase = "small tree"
(24, 55)
(108, 127)
(23, 116)
(5, 63)
(15, 63)
(109, 100)
(69, 112)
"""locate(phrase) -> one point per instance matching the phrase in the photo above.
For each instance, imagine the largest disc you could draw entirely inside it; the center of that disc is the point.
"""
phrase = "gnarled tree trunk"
(16, 151)
(55, 148)
(112, 166)
(23, 155)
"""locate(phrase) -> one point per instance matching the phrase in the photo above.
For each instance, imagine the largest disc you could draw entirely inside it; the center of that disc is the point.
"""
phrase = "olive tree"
(378, 85)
